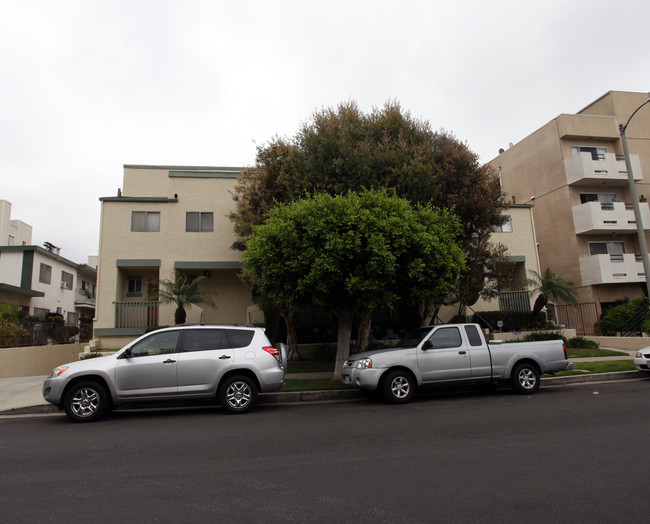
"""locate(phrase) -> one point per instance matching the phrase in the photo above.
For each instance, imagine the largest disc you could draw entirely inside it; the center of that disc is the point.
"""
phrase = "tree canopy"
(340, 149)
(352, 252)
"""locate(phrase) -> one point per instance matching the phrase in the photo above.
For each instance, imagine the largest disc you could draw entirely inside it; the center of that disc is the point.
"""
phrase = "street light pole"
(635, 200)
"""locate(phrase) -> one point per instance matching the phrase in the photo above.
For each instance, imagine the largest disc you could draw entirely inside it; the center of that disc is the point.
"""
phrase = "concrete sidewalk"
(23, 395)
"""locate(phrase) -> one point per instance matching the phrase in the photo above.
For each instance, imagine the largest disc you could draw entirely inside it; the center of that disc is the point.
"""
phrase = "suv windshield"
(414, 337)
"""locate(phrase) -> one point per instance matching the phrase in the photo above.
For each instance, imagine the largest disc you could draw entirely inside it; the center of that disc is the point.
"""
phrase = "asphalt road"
(568, 454)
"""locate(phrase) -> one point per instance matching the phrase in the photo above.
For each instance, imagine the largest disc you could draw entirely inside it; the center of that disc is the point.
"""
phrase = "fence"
(18, 334)
(514, 301)
(583, 317)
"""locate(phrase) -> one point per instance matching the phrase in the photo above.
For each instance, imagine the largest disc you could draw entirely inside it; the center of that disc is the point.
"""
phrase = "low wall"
(625, 343)
(33, 361)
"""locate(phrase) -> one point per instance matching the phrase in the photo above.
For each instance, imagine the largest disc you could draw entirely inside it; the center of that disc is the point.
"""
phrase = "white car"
(642, 360)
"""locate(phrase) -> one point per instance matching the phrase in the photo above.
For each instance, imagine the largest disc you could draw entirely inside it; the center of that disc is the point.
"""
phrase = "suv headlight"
(363, 363)
(639, 354)
(58, 371)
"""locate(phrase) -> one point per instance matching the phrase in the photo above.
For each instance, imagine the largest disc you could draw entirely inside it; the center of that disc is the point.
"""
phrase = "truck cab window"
(446, 338)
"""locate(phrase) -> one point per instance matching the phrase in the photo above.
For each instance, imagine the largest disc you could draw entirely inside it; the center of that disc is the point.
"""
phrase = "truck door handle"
(169, 361)
(224, 357)
(462, 352)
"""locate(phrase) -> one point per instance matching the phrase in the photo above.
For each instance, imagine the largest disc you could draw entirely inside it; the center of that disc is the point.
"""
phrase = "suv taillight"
(273, 352)
(565, 353)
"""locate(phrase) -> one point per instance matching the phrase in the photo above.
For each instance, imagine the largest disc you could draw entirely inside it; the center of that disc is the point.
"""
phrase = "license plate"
(346, 379)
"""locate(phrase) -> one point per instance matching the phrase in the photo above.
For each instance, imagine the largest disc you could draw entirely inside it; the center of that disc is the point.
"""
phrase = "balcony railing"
(514, 301)
(611, 269)
(583, 169)
(83, 297)
(596, 218)
(136, 314)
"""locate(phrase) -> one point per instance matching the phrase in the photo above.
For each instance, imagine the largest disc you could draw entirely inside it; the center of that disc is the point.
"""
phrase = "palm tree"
(183, 291)
(550, 287)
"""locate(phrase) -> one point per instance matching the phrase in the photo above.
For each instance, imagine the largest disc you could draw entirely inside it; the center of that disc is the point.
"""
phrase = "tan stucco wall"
(36, 360)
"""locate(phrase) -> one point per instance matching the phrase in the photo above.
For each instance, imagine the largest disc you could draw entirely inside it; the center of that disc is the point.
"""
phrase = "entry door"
(447, 359)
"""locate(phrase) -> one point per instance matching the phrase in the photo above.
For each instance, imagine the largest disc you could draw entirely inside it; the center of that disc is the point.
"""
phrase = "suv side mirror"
(427, 345)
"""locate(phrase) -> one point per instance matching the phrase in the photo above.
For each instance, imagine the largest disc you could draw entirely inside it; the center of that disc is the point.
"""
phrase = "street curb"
(355, 394)
(593, 377)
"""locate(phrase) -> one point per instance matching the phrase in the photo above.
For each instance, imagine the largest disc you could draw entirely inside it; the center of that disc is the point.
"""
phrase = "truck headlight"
(639, 354)
(363, 363)
(58, 371)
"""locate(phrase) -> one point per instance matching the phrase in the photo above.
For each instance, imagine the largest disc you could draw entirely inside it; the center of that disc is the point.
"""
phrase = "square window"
(145, 221)
(134, 286)
(196, 222)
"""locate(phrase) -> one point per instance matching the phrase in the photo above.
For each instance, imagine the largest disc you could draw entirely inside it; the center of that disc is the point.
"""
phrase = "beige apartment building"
(167, 218)
(573, 170)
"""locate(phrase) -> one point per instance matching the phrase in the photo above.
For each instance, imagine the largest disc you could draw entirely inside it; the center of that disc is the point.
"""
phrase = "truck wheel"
(398, 387)
(86, 401)
(238, 394)
(525, 378)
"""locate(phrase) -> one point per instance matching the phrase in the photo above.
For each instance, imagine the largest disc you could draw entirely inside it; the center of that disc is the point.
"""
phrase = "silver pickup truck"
(453, 354)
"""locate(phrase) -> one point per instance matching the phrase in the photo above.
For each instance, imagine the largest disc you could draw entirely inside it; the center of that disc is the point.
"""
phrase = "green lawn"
(579, 353)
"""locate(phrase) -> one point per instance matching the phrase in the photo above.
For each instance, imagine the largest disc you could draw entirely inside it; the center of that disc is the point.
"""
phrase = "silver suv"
(227, 363)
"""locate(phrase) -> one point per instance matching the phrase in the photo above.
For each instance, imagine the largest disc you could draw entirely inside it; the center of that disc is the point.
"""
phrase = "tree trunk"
(292, 337)
(540, 302)
(363, 332)
(427, 311)
(180, 315)
(343, 341)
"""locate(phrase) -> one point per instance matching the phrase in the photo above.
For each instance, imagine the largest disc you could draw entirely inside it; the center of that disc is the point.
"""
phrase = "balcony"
(83, 298)
(596, 218)
(611, 269)
(582, 170)
(130, 315)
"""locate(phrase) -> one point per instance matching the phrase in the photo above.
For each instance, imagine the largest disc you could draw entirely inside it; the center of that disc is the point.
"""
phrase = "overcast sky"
(90, 85)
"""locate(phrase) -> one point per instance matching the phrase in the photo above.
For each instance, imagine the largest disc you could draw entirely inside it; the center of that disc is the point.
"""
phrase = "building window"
(12, 240)
(67, 280)
(603, 198)
(199, 222)
(45, 274)
(506, 227)
(597, 153)
(40, 312)
(615, 250)
(72, 318)
(134, 287)
(145, 221)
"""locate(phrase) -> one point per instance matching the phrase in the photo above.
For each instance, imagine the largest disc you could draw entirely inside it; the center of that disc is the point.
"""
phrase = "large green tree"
(351, 253)
(343, 148)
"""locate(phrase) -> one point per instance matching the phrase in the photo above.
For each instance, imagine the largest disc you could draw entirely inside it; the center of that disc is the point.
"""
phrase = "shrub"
(615, 318)
(544, 335)
(12, 334)
(92, 354)
(582, 343)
